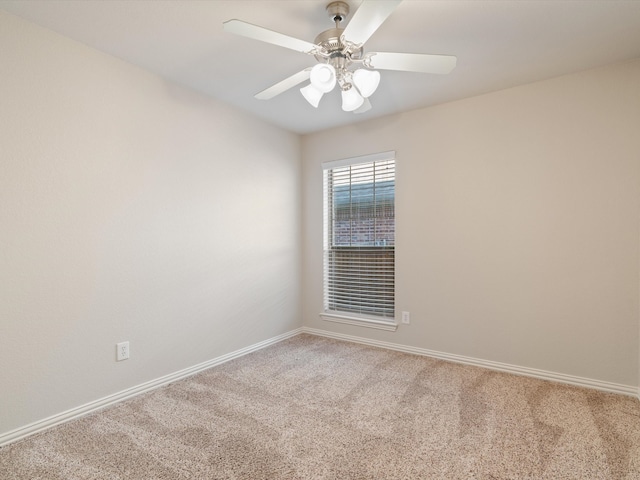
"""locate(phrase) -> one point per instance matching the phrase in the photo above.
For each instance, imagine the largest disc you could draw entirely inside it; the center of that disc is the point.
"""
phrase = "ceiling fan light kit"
(341, 56)
(355, 88)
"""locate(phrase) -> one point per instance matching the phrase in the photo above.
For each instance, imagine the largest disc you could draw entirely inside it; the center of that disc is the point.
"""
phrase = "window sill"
(359, 321)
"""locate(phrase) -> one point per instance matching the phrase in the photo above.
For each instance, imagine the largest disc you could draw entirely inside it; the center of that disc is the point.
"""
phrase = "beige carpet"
(316, 408)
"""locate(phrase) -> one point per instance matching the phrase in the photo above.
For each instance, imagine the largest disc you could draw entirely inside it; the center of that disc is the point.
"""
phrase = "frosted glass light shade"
(365, 107)
(323, 77)
(351, 100)
(312, 94)
(366, 81)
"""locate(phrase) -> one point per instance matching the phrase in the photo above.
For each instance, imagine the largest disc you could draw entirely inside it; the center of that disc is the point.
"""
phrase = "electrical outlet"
(406, 318)
(122, 351)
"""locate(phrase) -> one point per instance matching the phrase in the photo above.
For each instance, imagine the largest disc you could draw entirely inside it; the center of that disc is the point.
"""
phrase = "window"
(359, 241)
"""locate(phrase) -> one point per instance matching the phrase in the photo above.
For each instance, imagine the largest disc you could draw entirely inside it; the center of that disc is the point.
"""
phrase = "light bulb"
(366, 81)
(312, 95)
(323, 77)
(351, 100)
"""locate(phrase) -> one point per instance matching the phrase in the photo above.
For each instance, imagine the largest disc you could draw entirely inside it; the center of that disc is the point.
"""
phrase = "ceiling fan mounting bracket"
(338, 11)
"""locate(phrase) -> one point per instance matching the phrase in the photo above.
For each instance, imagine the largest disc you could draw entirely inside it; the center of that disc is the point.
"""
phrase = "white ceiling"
(499, 44)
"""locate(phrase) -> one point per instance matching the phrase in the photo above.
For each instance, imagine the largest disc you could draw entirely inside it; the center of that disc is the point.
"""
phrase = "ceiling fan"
(341, 57)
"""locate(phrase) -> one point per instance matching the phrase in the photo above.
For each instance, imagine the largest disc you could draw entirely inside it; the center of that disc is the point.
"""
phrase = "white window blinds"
(359, 231)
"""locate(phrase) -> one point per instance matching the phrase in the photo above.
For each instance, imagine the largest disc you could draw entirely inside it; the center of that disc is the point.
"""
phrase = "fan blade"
(412, 62)
(265, 35)
(368, 18)
(284, 85)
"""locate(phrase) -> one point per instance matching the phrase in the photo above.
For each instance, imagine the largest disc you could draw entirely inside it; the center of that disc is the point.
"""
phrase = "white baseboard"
(501, 367)
(74, 413)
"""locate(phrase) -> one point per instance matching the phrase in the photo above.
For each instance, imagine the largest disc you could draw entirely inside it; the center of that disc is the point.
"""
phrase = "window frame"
(348, 317)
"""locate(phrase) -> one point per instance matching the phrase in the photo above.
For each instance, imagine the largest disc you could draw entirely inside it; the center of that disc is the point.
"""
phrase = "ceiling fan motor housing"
(329, 41)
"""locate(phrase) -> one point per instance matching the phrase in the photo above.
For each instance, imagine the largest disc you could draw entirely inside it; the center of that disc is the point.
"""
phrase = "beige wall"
(130, 209)
(517, 224)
